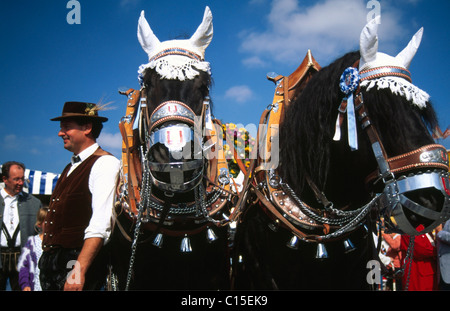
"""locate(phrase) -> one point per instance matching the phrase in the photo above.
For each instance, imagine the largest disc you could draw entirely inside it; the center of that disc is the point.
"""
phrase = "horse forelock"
(306, 135)
(191, 92)
(307, 128)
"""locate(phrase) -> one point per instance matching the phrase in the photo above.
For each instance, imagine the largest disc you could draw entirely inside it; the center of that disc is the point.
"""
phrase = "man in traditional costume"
(78, 223)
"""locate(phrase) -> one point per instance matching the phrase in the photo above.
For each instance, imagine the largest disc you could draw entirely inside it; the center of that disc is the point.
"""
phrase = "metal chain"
(356, 221)
(111, 280)
(214, 195)
(200, 199)
(347, 217)
(410, 246)
(348, 222)
(134, 246)
(407, 261)
(145, 193)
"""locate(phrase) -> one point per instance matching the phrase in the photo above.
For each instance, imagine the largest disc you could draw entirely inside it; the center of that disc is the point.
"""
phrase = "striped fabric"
(38, 182)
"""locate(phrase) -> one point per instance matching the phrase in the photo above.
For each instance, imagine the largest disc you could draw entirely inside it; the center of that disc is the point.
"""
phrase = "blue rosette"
(349, 81)
(348, 84)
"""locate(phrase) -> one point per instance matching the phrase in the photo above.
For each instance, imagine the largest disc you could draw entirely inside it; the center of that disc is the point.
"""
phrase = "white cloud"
(240, 93)
(110, 141)
(329, 28)
(254, 61)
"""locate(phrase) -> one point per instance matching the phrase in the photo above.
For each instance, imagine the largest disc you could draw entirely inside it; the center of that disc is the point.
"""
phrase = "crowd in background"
(420, 263)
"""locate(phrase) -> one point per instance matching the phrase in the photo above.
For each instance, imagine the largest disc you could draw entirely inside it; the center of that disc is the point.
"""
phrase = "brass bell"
(274, 225)
(293, 242)
(210, 235)
(186, 245)
(348, 246)
(158, 241)
(321, 252)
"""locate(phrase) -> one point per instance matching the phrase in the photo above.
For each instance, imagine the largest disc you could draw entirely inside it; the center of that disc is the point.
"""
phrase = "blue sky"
(45, 61)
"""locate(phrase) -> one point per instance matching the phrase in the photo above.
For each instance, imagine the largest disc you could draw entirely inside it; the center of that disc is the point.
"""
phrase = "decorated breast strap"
(131, 165)
(218, 174)
(278, 204)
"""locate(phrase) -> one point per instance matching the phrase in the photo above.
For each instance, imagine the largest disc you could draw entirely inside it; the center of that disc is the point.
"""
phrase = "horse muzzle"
(421, 193)
(176, 163)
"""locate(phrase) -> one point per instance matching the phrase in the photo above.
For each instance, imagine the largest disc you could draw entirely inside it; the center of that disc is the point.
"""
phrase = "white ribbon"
(351, 124)
(337, 133)
(208, 119)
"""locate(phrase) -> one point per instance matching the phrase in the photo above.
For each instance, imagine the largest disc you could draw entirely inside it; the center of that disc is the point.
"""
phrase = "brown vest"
(70, 207)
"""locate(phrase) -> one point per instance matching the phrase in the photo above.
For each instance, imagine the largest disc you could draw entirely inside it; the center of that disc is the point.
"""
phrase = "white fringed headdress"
(378, 70)
(383, 71)
(176, 59)
(400, 87)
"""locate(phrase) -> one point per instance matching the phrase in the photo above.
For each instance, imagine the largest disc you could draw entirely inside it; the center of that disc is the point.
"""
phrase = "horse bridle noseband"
(175, 137)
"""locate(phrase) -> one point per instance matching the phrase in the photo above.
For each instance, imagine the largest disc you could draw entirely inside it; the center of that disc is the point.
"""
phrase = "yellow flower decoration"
(241, 143)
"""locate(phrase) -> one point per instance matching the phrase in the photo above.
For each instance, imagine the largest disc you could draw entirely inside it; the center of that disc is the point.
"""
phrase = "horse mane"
(191, 92)
(306, 134)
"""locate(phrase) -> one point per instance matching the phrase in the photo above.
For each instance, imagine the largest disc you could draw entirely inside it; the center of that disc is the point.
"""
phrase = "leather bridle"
(398, 173)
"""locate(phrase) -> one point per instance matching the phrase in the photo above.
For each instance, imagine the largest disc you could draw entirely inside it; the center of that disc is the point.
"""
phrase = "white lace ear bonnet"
(384, 71)
(176, 59)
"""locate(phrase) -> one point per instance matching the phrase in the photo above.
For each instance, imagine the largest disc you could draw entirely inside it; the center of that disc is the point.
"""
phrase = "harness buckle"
(224, 176)
(274, 106)
(388, 178)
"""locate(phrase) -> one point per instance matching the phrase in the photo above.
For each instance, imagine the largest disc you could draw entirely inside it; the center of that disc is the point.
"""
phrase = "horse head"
(414, 173)
(171, 159)
(343, 147)
(170, 191)
(390, 156)
(175, 85)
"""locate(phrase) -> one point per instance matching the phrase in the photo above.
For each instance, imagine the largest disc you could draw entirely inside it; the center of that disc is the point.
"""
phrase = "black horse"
(171, 214)
(323, 175)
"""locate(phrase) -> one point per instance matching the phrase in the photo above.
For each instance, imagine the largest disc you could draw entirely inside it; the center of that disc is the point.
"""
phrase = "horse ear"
(204, 33)
(145, 35)
(406, 56)
(368, 41)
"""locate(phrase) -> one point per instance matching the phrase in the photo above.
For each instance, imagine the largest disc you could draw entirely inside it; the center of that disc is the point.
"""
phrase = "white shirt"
(10, 217)
(102, 183)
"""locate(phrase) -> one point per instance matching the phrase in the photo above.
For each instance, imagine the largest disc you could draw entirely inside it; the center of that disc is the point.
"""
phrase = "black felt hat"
(80, 110)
